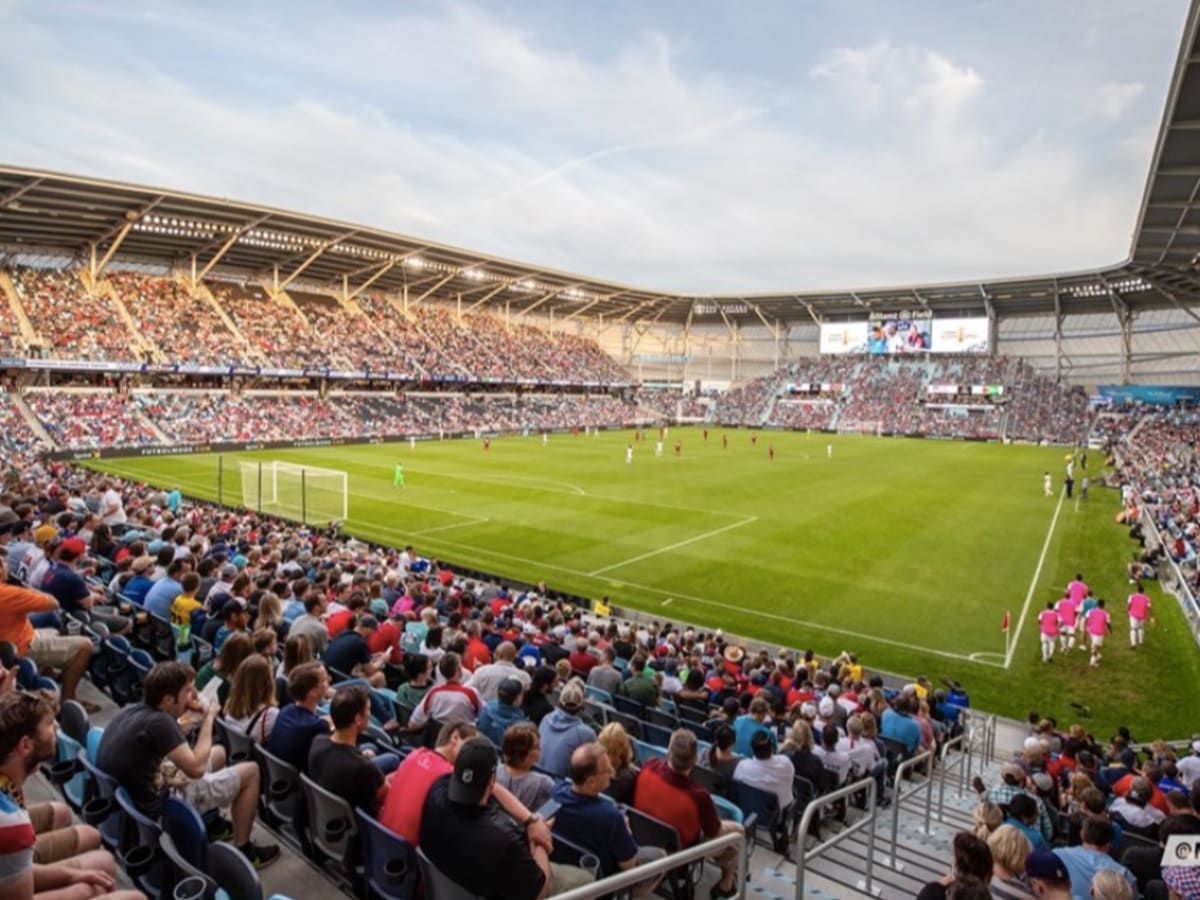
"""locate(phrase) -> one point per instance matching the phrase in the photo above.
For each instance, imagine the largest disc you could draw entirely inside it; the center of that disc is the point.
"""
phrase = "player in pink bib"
(1048, 626)
(1098, 625)
(1077, 589)
(1068, 613)
(1139, 611)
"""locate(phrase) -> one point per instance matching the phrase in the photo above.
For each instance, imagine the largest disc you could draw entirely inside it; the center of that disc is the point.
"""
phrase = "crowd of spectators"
(349, 340)
(1042, 410)
(1159, 474)
(74, 323)
(188, 330)
(276, 330)
(85, 420)
(16, 437)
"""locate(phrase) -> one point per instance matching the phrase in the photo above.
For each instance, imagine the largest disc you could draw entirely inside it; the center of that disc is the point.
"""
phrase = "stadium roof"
(97, 222)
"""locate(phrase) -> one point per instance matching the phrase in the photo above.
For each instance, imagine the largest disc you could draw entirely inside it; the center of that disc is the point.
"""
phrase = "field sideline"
(907, 551)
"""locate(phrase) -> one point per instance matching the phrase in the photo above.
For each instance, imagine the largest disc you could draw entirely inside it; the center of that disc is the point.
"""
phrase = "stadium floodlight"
(309, 494)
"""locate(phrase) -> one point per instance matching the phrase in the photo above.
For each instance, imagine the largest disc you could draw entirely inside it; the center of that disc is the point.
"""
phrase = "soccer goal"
(304, 493)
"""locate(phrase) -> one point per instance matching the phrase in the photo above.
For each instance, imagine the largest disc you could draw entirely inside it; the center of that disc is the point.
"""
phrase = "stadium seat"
(439, 887)
(764, 806)
(179, 869)
(233, 873)
(73, 721)
(651, 832)
(283, 799)
(139, 852)
(101, 809)
(333, 831)
(389, 862)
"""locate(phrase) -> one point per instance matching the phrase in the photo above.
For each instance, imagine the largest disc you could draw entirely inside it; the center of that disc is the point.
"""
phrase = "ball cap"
(473, 771)
(509, 690)
(72, 548)
(826, 707)
(1046, 864)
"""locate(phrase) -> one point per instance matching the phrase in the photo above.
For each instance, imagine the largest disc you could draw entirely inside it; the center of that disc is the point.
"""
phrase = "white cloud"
(1113, 99)
(635, 164)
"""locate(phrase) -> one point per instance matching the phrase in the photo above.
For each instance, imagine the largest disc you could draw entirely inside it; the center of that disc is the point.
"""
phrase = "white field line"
(474, 521)
(675, 546)
(718, 604)
(1037, 573)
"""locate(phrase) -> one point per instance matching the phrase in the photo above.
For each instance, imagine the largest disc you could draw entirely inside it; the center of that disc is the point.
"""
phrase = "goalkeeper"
(398, 476)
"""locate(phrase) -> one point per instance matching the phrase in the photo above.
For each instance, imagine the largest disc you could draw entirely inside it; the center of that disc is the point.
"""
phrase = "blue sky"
(699, 147)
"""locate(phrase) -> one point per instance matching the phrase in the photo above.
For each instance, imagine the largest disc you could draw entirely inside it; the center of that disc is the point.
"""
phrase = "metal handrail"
(644, 872)
(867, 821)
(945, 767)
(899, 795)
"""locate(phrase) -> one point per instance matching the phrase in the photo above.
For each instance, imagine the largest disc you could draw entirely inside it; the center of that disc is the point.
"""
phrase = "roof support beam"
(117, 234)
(488, 296)
(347, 296)
(225, 247)
(582, 309)
(993, 326)
(310, 259)
(408, 304)
(18, 193)
(1124, 316)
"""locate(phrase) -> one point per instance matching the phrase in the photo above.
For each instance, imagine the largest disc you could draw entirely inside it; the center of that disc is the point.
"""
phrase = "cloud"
(635, 158)
(1113, 99)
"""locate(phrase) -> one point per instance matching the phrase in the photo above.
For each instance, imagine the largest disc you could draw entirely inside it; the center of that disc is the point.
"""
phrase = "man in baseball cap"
(477, 845)
(1047, 875)
(63, 582)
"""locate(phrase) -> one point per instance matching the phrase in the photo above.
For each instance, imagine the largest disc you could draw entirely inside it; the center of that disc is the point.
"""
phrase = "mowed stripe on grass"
(907, 551)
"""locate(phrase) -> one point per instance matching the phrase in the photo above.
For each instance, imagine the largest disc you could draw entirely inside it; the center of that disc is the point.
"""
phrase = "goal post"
(309, 494)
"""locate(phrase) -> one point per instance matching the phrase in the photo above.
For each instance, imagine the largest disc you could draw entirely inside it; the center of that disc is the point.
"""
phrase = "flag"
(1004, 624)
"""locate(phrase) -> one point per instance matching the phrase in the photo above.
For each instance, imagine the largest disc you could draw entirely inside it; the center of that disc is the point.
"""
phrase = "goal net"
(304, 493)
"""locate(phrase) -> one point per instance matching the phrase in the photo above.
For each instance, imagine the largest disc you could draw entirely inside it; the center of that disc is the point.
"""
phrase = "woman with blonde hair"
(270, 615)
(1110, 884)
(1009, 848)
(252, 705)
(987, 818)
(798, 747)
(615, 741)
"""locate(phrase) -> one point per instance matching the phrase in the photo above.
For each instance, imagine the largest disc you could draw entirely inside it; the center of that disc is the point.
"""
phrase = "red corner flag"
(1004, 624)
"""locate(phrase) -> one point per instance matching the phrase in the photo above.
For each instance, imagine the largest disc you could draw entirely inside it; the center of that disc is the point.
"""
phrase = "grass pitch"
(908, 552)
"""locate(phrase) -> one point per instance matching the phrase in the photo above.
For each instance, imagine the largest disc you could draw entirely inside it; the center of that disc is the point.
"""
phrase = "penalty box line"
(667, 549)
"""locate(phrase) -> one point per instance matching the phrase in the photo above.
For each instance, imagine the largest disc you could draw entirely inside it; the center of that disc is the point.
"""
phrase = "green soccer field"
(908, 552)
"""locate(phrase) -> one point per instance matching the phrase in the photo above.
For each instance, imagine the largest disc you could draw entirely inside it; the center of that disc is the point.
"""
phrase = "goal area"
(307, 494)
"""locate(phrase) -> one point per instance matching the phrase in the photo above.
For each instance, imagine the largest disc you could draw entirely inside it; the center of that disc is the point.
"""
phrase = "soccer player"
(398, 476)
(706, 435)
(829, 451)
(1139, 610)
(753, 440)
(1047, 485)
(629, 454)
(724, 442)
(545, 438)
(771, 452)
(1068, 612)
(1048, 626)
(1098, 625)
(678, 447)
(658, 449)
(487, 443)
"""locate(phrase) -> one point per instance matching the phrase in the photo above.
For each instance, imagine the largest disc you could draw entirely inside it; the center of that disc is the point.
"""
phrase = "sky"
(691, 146)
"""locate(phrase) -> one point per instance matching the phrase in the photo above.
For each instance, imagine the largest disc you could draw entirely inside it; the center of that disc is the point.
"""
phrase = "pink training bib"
(1139, 605)
(1097, 621)
(1048, 621)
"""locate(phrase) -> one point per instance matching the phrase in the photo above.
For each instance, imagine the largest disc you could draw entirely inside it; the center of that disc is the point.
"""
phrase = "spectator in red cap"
(63, 582)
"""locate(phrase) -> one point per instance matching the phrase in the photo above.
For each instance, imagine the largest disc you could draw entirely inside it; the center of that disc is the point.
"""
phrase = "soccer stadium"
(347, 562)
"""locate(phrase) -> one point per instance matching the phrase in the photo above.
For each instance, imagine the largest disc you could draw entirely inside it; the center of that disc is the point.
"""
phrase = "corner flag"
(1004, 627)
(1004, 624)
